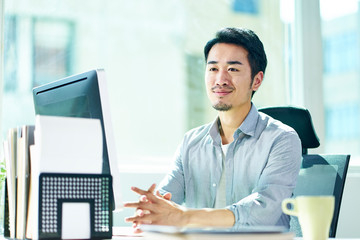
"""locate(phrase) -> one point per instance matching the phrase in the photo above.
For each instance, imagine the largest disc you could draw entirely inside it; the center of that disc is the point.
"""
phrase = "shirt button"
(214, 184)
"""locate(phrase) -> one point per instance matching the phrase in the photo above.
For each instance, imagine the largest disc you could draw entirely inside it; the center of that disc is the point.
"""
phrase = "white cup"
(315, 214)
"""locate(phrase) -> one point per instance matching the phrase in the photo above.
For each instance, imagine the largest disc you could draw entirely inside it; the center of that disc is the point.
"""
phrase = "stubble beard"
(222, 107)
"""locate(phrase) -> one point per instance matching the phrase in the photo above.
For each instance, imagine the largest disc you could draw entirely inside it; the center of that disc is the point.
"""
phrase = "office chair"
(320, 174)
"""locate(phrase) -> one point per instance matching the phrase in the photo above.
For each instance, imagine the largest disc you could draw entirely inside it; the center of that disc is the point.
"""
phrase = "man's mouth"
(222, 91)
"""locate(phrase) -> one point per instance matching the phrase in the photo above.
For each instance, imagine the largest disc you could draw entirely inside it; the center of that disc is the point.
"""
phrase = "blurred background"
(152, 52)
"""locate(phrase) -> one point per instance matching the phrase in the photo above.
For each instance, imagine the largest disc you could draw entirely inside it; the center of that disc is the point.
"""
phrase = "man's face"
(228, 77)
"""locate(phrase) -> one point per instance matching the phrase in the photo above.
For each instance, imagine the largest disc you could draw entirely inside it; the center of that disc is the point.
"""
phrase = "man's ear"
(257, 81)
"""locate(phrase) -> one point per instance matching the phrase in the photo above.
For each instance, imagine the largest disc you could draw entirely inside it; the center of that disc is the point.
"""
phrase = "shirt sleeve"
(174, 181)
(277, 182)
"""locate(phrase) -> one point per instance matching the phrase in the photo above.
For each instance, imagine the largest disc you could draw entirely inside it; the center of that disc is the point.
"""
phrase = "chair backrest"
(300, 120)
(322, 175)
(319, 174)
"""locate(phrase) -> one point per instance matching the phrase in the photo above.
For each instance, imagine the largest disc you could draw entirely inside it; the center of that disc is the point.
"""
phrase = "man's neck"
(230, 121)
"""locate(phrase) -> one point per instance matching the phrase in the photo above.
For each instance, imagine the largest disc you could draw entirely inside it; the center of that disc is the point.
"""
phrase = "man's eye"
(212, 69)
(233, 70)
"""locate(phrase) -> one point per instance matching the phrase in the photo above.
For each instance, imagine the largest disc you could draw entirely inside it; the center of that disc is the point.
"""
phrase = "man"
(237, 170)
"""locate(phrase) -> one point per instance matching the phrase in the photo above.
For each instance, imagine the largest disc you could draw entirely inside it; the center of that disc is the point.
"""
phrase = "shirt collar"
(214, 131)
(247, 127)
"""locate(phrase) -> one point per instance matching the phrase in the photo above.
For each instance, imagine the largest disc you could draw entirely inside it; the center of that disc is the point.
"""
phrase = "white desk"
(144, 238)
(126, 233)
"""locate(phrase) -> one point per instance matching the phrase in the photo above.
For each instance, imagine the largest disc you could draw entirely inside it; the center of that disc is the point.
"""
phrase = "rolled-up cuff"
(234, 209)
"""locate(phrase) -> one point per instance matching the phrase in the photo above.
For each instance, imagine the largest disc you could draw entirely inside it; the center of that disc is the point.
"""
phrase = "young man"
(236, 170)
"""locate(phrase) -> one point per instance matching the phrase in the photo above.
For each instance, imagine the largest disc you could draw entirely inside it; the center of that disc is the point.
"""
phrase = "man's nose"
(222, 78)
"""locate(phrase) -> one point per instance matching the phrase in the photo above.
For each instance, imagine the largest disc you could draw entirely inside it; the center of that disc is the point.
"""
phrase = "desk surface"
(126, 233)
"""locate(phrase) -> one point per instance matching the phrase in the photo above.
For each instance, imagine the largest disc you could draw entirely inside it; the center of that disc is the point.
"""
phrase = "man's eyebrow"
(229, 62)
(234, 62)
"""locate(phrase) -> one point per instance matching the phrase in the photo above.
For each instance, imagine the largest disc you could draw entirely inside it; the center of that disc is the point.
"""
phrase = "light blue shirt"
(262, 165)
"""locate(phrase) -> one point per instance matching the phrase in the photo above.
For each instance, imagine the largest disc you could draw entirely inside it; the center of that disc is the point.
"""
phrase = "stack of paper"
(10, 163)
(53, 145)
(16, 149)
(62, 145)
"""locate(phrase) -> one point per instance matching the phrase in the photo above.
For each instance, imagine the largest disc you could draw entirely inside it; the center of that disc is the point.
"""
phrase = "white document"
(25, 139)
(33, 206)
(68, 145)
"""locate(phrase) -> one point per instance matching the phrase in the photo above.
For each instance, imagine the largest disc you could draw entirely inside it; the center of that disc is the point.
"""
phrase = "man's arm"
(164, 212)
(174, 181)
(209, 217)
(277, 181)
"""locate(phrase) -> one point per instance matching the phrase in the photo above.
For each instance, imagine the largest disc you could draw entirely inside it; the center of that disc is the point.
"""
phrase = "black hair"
(246, 39)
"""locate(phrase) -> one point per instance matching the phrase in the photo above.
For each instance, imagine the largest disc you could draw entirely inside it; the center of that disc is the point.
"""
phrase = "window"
(52, 46)
(246, 6)
(152, 52)
(339, 51)
(341, 48)
(10, 53)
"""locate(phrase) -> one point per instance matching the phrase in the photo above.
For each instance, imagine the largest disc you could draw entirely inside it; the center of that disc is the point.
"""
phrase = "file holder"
(55, 189)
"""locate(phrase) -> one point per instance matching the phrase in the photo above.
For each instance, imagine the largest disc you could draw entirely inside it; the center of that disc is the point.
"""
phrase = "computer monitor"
(83, 95)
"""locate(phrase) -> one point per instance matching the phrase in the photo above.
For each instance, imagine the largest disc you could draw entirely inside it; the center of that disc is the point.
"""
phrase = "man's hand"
(155, 209)
(142, 212)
